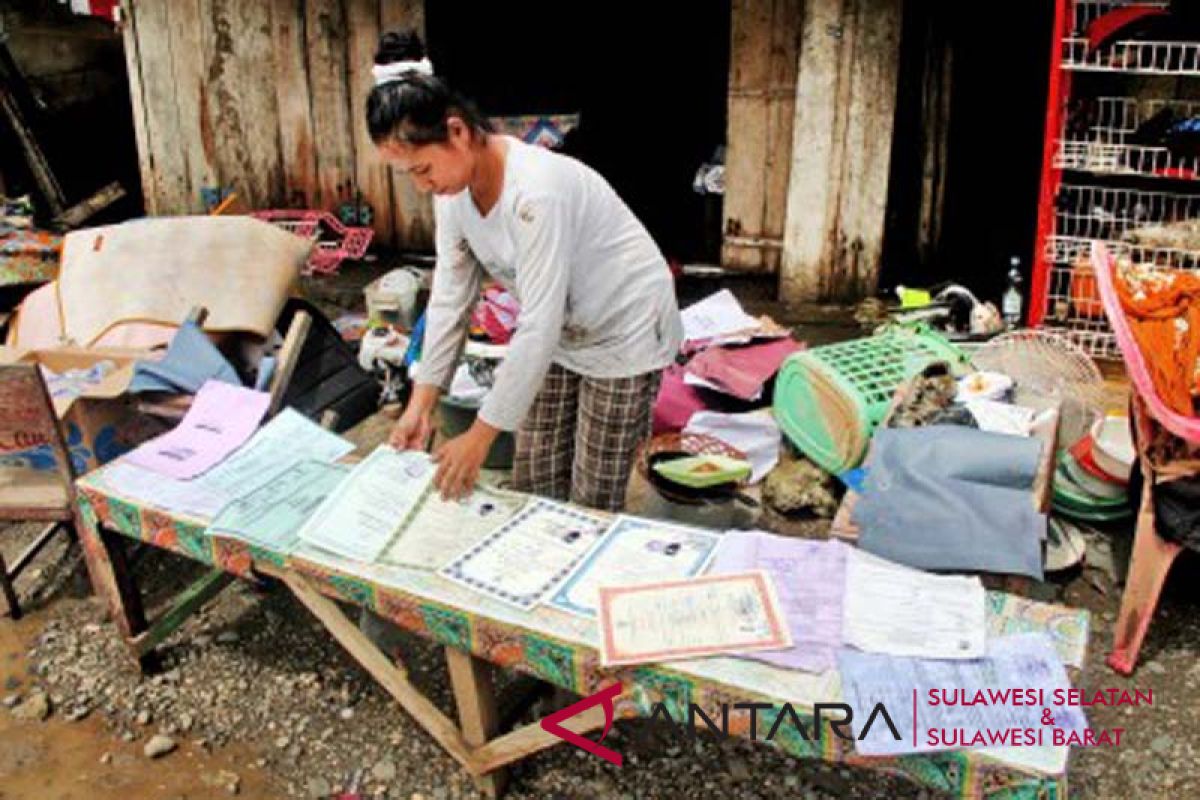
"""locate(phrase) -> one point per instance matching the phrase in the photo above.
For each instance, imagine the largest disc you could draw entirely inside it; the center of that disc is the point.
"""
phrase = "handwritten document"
(691, 618)
(441, 529)
(1024, 661)
(635, 551)
(371, 505)
(221, 418)
(271, 515)
(526, 557)
(889, 608)
(810, 580)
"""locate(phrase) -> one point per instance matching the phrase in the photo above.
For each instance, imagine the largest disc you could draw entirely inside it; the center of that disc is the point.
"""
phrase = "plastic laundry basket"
(829, 399)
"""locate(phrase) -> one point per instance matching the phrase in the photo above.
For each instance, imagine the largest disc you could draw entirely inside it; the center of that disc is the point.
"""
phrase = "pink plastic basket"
(1183, 426)
(328, 254)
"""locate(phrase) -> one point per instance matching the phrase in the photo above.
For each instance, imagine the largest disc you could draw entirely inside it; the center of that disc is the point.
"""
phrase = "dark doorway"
(989, 168)
(650, 87)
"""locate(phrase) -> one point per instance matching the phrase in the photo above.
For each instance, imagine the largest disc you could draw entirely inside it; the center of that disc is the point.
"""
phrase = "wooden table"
(477, 633)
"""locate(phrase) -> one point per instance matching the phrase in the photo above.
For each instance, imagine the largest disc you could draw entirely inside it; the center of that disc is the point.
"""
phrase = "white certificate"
(635, 551)
(441, 529)
(526, 557)
(691, 618)
(371, 505)
(893, 609)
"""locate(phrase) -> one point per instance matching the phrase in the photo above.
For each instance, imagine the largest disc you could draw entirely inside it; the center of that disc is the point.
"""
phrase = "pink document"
(221, 419)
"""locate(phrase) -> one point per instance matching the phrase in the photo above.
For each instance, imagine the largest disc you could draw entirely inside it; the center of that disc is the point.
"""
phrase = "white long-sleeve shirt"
(596, 294)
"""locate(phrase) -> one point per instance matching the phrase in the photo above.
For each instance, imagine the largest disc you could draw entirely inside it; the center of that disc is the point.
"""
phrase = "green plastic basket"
(829, 399)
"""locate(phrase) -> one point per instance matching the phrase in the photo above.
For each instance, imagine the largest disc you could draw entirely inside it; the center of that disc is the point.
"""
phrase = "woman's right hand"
(415, 427)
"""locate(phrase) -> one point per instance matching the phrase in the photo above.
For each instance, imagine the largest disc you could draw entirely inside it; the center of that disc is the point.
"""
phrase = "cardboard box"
(101, 423)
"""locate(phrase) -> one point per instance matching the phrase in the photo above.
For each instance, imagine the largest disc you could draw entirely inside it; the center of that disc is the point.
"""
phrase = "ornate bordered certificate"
(525, 558)
(691, 618)
(635, 551)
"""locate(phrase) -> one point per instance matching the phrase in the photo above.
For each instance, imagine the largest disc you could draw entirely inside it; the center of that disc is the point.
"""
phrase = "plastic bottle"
(1012, 303)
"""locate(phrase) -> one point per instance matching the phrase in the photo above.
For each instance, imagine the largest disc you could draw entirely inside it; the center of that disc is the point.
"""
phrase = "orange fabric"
(1163, 309)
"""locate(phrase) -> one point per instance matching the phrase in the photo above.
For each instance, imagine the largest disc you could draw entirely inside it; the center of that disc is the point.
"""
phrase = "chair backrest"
(27, 418)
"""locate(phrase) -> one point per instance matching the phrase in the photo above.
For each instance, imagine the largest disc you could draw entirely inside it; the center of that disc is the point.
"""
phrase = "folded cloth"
(191, 360)
(742, 371)
(945, 497)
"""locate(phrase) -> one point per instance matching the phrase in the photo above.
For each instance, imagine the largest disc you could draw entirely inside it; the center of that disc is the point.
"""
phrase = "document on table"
(371, 505)
(526, 557)
(1023, 661)
(441, 529)
(810, 580)
(222, 418)
(290, 437)
(632, 551)
(691, 618)
(145, 487)
(889, 608)
(271, 515)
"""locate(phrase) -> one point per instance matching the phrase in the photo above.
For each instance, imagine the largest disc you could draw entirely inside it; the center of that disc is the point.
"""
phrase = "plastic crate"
(829, 399)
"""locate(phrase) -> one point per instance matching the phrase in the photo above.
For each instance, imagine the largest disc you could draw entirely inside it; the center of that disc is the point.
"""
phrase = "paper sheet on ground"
(520, 562)
(810, 580)
(633, 551)
(692, 618)
(756, 434)
(222, 418)
(271, 515)
(442, 529)
(371, 505)
(715, 315)
(1022, 661)
(889, 608)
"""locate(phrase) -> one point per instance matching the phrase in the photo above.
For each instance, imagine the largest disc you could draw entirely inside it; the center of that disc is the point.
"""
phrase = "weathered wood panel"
(413, 210)
(764, 52)
(373, 175)
(266, 99)
(167, 168)
(192, 95)
(294, 103)
(325, 32)
(842, 142)
(133, 67)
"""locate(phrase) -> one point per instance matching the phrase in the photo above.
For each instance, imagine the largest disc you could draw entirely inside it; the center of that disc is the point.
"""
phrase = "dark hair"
(414, 107)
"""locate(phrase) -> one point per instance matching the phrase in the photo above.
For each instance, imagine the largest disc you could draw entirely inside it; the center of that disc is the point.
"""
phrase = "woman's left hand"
(460, 459)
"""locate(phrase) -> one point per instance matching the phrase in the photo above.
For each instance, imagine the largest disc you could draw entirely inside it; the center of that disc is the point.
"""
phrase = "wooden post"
(841, 149)
(475, 697)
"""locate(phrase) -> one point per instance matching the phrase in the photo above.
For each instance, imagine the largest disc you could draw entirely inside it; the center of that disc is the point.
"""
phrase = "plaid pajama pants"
(579, 439)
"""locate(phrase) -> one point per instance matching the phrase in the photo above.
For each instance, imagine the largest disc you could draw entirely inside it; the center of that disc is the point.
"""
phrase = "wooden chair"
(27, 420)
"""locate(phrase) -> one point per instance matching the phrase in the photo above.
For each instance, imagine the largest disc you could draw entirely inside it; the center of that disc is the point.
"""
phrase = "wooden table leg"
(104, 551)
(475, 698)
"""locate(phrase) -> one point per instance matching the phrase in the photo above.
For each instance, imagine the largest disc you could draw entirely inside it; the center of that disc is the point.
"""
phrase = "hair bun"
(402, 45)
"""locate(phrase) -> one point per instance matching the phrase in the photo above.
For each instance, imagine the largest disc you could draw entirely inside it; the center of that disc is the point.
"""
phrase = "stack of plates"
(1092, 480)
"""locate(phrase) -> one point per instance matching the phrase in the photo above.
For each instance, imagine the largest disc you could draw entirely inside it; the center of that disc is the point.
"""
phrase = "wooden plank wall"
(764, 56)
(841, 151)
(267, 98)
